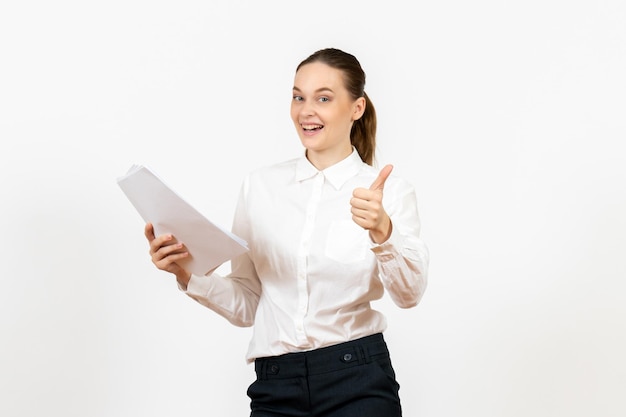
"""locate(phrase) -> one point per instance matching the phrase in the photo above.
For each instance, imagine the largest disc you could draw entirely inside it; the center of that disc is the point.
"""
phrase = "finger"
(170, 262)
(170, 250)
(366, 194)
(168, 255)
(148, 231)
(365, 201)
(379, 183)
(160, 242)
(361, 214)
(364, 220)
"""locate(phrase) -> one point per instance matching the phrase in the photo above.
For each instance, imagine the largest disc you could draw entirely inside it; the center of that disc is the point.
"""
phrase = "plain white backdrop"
(508, 117)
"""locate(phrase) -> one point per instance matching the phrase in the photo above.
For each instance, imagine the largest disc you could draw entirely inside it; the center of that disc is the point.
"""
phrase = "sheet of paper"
(209, 245)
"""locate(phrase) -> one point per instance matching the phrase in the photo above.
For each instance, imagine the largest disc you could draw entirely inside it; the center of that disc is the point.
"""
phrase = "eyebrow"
(319, 90)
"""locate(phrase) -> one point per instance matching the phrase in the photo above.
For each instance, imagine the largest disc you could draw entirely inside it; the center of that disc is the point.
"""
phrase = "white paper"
(209, 245)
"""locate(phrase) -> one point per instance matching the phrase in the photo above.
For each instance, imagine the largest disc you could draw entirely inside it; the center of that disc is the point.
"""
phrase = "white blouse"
(311, 272)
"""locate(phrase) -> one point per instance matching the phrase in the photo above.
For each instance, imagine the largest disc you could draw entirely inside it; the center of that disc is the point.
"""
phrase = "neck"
(323, 160)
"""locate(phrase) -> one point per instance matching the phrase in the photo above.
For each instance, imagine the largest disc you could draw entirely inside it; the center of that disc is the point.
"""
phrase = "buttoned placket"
(303, 254)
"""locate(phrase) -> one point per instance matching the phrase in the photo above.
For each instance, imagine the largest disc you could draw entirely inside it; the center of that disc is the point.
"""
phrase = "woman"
(328, 234)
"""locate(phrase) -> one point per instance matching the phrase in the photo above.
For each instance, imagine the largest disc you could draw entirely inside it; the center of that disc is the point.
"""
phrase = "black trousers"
(352, 379)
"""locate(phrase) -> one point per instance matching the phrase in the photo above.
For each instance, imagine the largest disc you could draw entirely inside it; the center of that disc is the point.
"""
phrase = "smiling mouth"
(312, 128)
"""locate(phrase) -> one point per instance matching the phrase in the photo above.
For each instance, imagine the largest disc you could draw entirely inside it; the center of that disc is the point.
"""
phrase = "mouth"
(311, 127)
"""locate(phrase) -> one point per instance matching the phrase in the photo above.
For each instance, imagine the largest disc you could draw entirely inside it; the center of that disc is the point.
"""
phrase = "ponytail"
(363, 133)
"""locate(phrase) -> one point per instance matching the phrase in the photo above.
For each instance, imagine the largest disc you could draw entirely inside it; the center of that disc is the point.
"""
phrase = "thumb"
(379, 183)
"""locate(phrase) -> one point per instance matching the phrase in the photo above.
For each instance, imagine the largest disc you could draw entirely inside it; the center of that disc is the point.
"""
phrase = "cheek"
(294, 113)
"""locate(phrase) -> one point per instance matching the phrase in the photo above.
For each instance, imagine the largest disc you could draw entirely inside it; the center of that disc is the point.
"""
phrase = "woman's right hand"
(165, 251)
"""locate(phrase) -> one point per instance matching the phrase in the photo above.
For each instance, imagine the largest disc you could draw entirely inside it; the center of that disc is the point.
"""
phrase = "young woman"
(328, 234)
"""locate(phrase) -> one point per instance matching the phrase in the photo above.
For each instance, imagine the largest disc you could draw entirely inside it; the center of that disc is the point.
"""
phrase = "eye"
(324, 99)
(297, 98)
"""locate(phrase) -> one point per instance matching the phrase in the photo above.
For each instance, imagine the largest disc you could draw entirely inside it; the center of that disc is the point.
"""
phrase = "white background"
(508, 117)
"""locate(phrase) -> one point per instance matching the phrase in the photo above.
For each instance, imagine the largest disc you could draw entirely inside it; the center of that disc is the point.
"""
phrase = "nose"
(307, 109)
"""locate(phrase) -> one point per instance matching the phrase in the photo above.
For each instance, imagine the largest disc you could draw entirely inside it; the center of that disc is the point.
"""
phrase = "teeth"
(311, 127)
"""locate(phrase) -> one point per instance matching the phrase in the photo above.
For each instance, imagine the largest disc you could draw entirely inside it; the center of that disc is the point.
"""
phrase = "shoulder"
(273, 174)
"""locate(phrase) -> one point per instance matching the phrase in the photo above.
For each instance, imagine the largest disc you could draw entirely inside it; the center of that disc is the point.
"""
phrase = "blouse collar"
(336, 174)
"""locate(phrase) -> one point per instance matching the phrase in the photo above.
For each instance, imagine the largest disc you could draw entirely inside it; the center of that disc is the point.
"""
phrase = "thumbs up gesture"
(367, 208)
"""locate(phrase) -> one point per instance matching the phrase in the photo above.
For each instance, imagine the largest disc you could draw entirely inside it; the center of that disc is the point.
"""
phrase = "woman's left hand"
(367, 208)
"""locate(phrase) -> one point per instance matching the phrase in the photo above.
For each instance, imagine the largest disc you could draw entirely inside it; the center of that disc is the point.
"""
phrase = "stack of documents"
(209, 245)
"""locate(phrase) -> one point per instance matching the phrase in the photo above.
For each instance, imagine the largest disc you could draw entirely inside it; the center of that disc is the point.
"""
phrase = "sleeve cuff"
(387, 250)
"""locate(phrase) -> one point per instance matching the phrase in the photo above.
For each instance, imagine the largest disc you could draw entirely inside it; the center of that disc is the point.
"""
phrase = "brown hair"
(363, 133)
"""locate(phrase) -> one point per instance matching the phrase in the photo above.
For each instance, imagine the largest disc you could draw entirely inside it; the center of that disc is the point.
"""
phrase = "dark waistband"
(322, 360)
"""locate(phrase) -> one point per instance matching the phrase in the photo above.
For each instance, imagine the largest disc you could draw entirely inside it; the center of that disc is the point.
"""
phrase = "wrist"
(381, 234)
(183, 279)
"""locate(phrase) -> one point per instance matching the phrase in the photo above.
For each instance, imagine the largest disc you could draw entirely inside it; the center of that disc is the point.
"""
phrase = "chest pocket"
(346, 242)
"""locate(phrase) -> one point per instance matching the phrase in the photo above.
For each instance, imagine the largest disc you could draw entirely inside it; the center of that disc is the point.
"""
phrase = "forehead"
(317, 75)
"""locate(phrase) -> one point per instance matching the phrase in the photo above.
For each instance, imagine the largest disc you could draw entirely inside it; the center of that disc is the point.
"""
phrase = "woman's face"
(323, 112)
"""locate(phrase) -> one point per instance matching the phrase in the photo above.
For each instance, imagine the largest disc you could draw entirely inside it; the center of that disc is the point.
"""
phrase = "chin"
(310, 144)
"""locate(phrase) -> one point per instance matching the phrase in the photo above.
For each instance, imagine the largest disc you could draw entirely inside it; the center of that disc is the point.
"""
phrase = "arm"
(401, 256)
(235, 296)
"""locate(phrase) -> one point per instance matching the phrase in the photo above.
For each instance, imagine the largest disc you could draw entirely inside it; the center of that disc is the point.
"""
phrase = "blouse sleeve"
(236, 295)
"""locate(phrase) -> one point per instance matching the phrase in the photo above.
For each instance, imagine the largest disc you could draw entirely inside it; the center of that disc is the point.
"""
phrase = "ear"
(358, 108)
